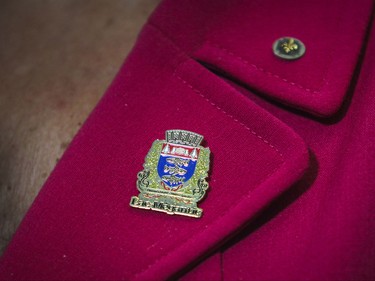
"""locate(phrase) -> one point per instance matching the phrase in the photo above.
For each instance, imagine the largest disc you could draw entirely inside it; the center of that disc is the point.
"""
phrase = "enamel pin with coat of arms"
(174, 175)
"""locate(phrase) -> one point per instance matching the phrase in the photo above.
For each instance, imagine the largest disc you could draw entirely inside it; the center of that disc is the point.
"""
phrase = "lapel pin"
(174, 177)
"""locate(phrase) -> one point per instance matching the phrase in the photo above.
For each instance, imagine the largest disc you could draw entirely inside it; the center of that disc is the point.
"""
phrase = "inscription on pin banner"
(174, 177)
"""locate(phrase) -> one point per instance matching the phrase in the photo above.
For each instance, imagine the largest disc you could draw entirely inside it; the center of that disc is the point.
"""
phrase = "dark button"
(288, 48)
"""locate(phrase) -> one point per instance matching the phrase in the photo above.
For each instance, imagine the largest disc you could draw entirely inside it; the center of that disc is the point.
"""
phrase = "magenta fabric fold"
(290, 196)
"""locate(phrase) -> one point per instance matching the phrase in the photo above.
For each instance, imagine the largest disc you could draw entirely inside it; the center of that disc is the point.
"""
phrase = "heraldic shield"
(174, 175)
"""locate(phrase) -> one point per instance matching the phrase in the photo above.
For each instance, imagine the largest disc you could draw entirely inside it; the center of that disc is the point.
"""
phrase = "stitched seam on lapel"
(215, 45)
(169, 40)
(231, 116)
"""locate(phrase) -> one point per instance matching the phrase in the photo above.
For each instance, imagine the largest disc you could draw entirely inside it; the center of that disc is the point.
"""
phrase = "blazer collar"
(236, 37)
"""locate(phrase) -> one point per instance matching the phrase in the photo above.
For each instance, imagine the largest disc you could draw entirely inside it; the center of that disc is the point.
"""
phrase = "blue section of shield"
(175, 171)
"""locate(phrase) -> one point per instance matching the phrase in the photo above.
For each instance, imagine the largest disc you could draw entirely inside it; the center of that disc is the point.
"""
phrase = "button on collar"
(288, 48)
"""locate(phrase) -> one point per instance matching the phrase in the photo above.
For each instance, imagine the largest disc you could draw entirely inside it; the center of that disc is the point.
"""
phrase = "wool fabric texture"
(292, 175)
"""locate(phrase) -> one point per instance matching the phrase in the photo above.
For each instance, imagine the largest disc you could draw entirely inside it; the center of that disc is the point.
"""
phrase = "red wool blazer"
(292, 176)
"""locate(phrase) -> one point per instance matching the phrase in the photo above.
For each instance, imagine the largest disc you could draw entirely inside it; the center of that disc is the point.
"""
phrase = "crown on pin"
(183, 137)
